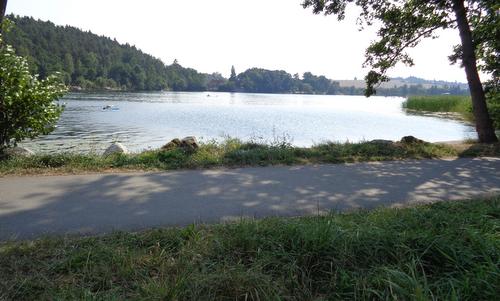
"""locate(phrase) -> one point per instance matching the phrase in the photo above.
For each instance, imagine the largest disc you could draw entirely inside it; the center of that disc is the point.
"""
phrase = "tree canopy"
(95, 62)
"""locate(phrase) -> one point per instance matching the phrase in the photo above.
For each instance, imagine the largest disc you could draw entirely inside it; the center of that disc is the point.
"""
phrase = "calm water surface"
(148, 120)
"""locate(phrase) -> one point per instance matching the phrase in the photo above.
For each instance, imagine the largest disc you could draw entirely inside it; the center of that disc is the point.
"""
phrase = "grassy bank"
(443, 251)
(234, 153)
(441, 103)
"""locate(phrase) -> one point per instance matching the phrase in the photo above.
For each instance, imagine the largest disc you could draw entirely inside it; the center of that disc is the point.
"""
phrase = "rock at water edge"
(115, 148)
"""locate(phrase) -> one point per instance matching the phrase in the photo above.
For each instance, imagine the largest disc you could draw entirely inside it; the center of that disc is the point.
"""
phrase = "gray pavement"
(100, 203)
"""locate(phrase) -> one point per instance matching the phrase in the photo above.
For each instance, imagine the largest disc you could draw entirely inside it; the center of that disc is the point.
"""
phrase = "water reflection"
(148, 120)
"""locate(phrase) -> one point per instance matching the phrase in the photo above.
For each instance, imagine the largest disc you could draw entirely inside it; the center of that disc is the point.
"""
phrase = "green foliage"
(493, 100)
(441, 103)
(405, 23)
(265, 81)
(485, 23)
(92, 62)
(232, 77)
(185, 79)
(442, 251)
(320, 84)
(258, 80)
(457, 104)
(27, 107)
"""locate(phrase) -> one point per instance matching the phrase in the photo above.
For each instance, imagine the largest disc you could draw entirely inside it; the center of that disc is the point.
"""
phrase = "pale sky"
(212, 35)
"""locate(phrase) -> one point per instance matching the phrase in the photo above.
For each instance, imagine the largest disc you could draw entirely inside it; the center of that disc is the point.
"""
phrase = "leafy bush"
(27, 107)
(493, 101)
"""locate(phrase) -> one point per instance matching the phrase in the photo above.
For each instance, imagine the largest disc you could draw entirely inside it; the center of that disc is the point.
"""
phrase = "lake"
(149, 120)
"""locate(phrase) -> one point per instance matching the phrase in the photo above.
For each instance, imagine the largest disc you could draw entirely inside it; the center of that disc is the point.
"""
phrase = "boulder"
(18, 151)
(115, 148)
(411, 140)
(172, 144)
(189, 143)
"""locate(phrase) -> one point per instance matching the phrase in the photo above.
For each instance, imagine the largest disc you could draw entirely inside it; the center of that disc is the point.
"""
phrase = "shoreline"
(234, 153)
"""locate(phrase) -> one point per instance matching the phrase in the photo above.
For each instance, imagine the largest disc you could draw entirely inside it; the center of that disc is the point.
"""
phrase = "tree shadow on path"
(87, 204)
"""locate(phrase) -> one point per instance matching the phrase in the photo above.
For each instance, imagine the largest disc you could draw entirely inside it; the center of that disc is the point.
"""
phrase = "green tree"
(138, 77)
(320, 84)
(405, 23)
(27, 107)
(68, 66)
(91, 61)
(233, 74)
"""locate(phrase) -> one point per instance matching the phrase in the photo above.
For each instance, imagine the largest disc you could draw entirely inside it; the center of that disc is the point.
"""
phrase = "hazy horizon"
(211, 37)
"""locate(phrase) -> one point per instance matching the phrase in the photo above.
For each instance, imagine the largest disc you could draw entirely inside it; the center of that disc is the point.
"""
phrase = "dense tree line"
(92, 62)
(257, 80)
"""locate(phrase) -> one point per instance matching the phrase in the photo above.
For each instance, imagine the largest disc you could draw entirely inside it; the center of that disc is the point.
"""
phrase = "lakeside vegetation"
(90, 62)
(442, 251)
(235, 153)
(455, 104)
(461, 105)
(441, 103)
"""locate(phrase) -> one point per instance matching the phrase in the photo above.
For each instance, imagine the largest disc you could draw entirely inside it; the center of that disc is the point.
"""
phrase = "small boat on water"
(110, 108)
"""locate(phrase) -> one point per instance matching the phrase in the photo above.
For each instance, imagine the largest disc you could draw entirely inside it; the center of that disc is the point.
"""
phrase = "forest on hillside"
(90, 61)
(87, 61)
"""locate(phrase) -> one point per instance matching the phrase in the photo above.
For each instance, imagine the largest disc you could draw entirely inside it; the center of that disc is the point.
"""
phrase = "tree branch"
(392, 60)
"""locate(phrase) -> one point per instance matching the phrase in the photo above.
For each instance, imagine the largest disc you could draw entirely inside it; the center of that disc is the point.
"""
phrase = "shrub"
(27, 107)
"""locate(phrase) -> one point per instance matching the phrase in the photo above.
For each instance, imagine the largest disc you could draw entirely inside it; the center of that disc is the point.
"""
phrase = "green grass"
(441, 103)
(230, 153)
(456, 104)
(443, 251)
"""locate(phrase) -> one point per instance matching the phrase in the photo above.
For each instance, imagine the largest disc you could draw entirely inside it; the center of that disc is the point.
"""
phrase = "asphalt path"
(33, 206)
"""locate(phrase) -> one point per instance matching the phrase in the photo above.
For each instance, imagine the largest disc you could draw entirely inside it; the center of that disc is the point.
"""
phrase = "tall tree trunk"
(3, 6)
(484, 125)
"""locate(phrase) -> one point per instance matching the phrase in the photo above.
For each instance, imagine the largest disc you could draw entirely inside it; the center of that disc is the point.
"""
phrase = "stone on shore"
(172, 144)
(19, 151)
(189, 143)
(411, 140)
(115, 148)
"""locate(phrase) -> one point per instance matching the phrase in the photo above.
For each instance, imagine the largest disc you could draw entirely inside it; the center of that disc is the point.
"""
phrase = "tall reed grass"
(440, 103)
